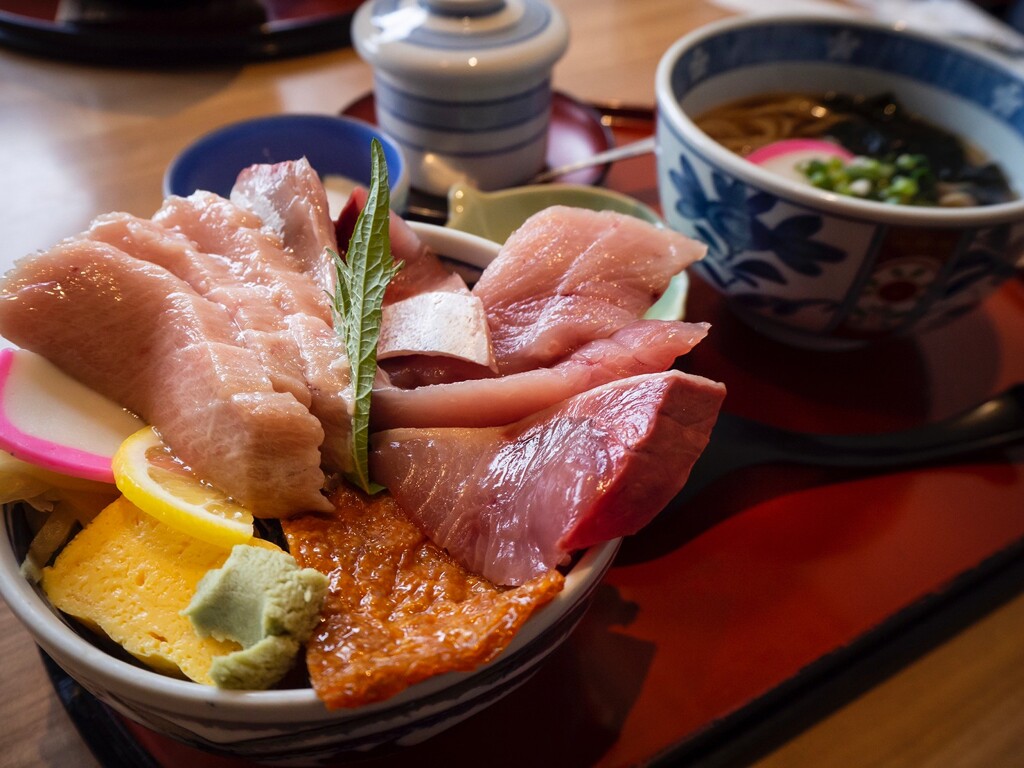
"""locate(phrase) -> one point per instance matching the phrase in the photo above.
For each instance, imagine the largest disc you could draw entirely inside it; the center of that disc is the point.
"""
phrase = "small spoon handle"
(633, 149)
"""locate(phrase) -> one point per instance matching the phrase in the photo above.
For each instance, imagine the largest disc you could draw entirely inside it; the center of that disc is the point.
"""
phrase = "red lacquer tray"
(773, 581)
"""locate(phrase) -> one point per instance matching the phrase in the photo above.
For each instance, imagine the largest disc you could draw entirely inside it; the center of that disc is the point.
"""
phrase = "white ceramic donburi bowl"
(292, 727)
(814, 268)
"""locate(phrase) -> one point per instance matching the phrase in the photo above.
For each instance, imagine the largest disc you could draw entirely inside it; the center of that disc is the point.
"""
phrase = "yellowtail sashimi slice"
(53, 421)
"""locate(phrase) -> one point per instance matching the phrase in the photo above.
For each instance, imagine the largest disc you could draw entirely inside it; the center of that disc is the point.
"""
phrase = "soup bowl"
(815, 268)
(290, 725)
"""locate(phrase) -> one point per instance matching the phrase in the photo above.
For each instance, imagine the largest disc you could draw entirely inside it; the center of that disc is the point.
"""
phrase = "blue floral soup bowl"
(812, 267)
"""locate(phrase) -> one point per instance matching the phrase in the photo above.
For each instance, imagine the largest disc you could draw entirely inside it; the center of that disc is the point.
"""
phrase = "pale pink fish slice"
(428, 309)
(289, 198)
(439, 323)
(512, 502)
(644, 346)
(259, 321)
(218, 226)
(570, 275)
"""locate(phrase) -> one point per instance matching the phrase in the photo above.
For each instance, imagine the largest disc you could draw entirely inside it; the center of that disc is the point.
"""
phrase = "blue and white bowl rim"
(815, 30)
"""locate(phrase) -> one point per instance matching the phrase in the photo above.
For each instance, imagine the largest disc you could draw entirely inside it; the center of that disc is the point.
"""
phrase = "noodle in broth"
(875, 129)
(750, 124)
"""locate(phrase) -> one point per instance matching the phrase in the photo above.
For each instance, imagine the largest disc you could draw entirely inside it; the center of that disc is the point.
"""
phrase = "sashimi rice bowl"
(280, 485)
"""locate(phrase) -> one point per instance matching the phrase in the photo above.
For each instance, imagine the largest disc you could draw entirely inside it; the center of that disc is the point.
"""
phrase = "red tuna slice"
(643, 346)
(260, 323)
(257, 263)
(412, 371)
(570, 275)
(513, 502)
(135, 333)
(290, 200)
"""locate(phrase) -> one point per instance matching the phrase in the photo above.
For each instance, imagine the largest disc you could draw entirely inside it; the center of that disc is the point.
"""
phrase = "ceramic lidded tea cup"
(464, 86)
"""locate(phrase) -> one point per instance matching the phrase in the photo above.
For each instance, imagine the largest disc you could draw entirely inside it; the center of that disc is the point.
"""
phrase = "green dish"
(496, 215)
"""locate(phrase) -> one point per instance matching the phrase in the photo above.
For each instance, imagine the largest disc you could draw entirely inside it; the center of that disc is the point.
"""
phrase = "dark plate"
(169, 32)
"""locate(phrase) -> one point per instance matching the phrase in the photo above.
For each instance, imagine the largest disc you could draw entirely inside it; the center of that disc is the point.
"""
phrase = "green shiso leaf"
(363, 275)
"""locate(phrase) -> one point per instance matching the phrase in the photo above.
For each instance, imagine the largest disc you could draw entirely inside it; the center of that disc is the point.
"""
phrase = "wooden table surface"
(78, 140)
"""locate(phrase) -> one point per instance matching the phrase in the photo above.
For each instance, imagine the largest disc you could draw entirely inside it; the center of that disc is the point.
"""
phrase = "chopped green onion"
(904, 180)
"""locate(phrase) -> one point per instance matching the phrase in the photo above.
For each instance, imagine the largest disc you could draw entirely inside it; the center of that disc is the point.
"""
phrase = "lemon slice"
(150, 477)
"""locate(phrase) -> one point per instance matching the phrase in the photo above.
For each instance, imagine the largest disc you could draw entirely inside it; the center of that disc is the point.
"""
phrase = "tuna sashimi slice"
(410, 371)
(290, 200)
(570, 275)
(513, 502)
(217, 226)
(142, 337)
(260, 323)
(643, 346)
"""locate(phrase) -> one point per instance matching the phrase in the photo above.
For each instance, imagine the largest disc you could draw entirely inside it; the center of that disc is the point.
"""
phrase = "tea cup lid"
(452, 39)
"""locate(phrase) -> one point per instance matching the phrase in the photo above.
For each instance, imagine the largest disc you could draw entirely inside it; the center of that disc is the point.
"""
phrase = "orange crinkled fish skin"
(399, 610)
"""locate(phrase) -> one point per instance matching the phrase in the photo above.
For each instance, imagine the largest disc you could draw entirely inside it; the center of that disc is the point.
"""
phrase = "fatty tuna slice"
(513, 502)
(137, 334)
(290, 200)
(570, 275)
(643, 346)
(260, 323)
(217, 226)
